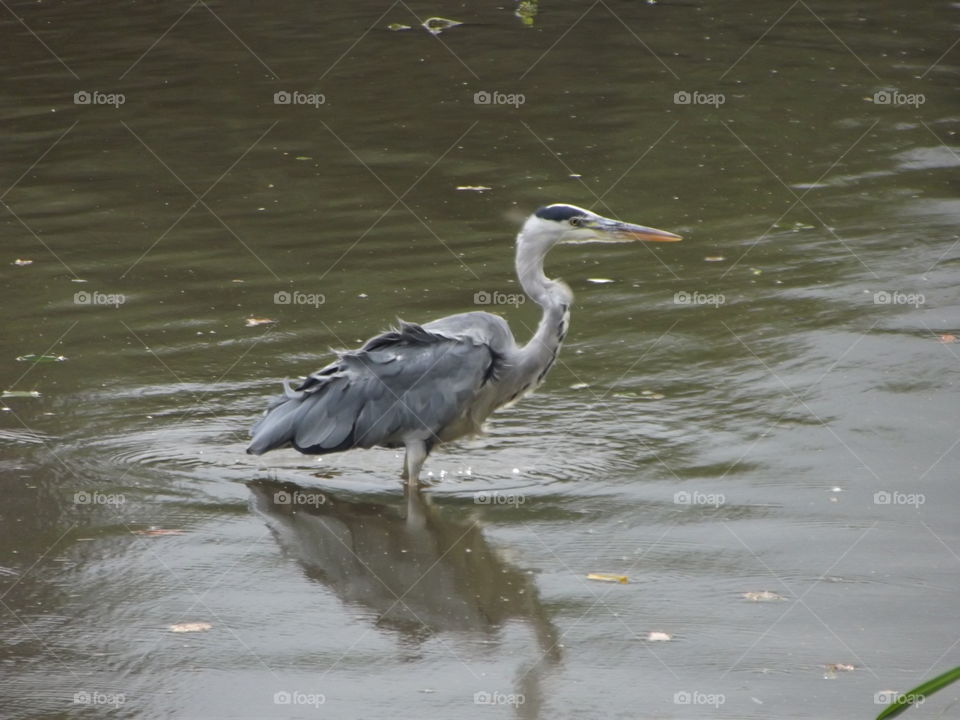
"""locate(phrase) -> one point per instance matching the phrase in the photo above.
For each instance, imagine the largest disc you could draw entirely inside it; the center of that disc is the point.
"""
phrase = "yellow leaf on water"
(154, 532)
(607, 577)
(190, 627)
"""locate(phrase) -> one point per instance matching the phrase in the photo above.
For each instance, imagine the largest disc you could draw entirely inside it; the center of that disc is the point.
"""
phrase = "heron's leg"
(416, 454)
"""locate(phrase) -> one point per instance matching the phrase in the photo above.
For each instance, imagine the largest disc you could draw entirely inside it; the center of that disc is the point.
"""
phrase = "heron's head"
(561, 223)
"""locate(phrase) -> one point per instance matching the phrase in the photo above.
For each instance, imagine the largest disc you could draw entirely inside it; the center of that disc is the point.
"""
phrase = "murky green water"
(724, 416)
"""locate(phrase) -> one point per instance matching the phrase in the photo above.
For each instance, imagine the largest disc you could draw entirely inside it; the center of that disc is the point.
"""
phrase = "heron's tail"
(278, 425)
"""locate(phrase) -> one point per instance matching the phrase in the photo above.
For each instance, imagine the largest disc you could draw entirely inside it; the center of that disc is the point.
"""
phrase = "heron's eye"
(576, 220)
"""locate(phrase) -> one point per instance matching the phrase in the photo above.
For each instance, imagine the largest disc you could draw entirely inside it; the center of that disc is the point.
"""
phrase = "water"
(715, 426)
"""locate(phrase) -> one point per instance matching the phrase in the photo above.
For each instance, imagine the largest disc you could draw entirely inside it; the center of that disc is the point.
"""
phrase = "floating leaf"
(600, 281)
(657, 636)
(20, 394)
(397, 27)
(40, 358)
(190, 627)
(840, 667)
(437, 25)
(714, 258)
(253, 322)
(607, 577)
(20, 263)
(474, 188)
(579, 386)
(527, 11)
(762, 596)
(947, 338)
(303, 157)
(154, 532)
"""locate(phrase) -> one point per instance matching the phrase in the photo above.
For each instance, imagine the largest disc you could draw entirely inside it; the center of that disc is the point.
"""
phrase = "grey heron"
(416, 386)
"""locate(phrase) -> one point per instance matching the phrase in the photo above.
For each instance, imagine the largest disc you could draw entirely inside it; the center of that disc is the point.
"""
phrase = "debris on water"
(947, 338)
(156, 532)
(834, 668)
(303, 157)
(657, 636)
(437, 25)
(253, 322)
(516, 471)
(40, 358)
(756, 271)
(527, 11)
(579, 386)
(397, 27)
(763, 596)
(607, 577)
(600, 281)
(474, 188)
(651, 395)
(20, 262)
(836, 489)
(237, 281)
(714, 258)
(575, 175)
(362, 295)
(190, 627)
(20, 394)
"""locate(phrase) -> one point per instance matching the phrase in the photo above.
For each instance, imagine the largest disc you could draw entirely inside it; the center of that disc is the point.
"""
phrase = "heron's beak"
(615, 231)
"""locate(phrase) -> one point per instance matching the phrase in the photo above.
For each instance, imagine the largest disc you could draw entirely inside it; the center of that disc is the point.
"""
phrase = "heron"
(417, 386)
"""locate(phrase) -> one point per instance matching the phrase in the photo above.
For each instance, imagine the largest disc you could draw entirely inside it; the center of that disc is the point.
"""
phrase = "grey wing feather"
(412, 381)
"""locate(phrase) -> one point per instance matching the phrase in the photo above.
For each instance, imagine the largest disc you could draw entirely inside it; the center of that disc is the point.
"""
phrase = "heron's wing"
(409, 382)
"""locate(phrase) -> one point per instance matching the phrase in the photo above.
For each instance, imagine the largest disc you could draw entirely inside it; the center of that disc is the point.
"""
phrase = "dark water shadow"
(421, 570)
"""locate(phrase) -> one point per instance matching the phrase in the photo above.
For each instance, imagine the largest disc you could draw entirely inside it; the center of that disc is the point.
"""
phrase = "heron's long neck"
(551, 295)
